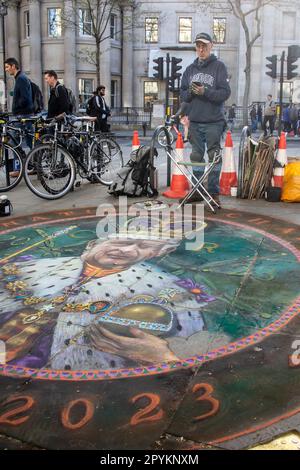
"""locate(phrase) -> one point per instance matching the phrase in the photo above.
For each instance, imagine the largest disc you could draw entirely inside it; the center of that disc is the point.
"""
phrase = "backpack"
(37, 98)
(136, 178)
(71, 98)
(90, 106)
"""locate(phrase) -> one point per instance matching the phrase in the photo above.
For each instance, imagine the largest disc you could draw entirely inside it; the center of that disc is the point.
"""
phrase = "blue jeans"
(202, 136)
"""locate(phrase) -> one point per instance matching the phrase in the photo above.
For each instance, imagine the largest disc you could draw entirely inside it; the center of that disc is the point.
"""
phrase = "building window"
(150, 94)
(26, 24)
(288, 30)
(185, 29)
(113, 26)
(113, 93)
(219, 30)
(151, 29)
(54, 23)
(85, 22)
(85, 88)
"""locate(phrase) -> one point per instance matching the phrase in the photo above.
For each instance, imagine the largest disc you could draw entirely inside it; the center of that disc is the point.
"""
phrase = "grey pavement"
(92, 195)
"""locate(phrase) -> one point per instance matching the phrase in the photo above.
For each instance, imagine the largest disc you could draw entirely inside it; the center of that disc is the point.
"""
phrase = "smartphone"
(198, 83)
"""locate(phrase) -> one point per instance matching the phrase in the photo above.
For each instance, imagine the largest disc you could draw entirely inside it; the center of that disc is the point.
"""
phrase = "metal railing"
(131, 116)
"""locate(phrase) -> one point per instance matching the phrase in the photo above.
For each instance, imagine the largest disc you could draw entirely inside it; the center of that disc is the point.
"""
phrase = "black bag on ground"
(273, 194)
(136, 178)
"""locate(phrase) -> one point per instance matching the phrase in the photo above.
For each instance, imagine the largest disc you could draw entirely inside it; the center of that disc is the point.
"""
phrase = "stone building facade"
(41, 38)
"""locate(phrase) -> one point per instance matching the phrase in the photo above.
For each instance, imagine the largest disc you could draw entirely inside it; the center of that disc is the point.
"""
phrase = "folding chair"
(197, 184)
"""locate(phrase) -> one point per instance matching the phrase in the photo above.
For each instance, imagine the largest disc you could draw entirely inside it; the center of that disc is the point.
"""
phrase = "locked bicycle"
(51, 168)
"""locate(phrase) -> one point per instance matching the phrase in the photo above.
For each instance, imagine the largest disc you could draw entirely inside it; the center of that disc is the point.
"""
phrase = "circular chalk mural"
(78, 307)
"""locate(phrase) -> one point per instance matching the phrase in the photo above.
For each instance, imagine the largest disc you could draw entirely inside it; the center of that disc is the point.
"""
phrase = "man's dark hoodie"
(213, 75)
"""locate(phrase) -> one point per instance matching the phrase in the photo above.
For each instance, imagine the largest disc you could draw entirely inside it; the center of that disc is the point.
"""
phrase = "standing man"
(270, 115)
(22, 105)
(102, 111)
(59, 101)
(205, 85)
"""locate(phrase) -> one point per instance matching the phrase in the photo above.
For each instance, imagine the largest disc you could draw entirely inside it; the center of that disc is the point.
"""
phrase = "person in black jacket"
(22, 105)
(205, 85)
(101, 110)
(59, 101)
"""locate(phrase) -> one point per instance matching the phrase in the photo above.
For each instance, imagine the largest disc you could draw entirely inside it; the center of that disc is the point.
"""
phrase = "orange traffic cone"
(228, 176)
(280, 162)
(179, 182)
(135, 141)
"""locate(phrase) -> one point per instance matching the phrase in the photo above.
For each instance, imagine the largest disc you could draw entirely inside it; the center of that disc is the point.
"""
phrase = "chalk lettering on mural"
(89, 409)
(215, 404)
(6, 417)
(295, 357)
(143, 415)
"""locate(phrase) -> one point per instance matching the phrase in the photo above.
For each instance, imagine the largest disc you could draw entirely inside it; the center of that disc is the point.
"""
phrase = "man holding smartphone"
(205, 85)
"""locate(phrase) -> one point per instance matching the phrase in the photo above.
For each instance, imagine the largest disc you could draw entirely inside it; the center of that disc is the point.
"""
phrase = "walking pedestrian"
(22, 106)
(253, 116)
(293, 114)
(101, 110)
(259, 116)
(270, 115)
(231, 117)
(58, 101)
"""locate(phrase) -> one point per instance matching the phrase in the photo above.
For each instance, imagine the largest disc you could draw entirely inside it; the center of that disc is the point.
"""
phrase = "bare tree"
(250, 19)
(252, 33)
(92, 18)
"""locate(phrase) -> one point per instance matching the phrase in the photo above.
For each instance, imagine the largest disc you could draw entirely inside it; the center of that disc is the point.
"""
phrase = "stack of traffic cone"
(135, 141)
(179, 182)
(228, 178)
(280, 162)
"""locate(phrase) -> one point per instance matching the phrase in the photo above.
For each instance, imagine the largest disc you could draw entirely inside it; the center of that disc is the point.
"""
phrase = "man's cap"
(203, 37)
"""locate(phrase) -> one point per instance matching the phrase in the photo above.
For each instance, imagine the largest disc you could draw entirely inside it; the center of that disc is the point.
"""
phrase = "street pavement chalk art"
(141, 334)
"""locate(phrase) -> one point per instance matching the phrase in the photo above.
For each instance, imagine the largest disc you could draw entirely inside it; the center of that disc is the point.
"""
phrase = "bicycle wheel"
(162, 139)
(106, 159)
(11, 167)
(49, 176)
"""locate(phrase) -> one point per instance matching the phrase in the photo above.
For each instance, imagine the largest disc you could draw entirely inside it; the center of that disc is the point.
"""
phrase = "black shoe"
(194, 198)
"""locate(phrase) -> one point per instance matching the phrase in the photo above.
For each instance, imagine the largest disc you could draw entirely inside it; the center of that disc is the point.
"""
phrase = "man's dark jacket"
(22, 100)
(59, 101)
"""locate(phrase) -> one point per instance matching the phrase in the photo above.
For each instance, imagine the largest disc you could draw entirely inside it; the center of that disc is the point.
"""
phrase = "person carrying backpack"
(22, 105)
(101, 110)
(59, 102)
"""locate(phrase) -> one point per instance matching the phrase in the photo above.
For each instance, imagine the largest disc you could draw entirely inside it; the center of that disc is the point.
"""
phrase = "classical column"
(12, 44)
(105, 74)
(35, 42)
(127, 62)
(70, 47)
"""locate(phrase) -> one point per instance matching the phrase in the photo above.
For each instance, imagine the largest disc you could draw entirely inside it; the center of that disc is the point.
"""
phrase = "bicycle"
(12, 155)
(67, 153)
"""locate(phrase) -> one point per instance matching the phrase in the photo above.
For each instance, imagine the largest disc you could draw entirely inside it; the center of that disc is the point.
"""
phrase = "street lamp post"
(3, 13)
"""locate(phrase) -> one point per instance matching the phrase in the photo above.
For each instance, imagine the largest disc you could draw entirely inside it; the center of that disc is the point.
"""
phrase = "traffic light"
(272, 66)
(293, 56)
(175, 68)
(159, 67)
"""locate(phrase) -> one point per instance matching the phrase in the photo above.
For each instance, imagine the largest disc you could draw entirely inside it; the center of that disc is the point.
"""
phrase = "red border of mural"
(164, 367)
